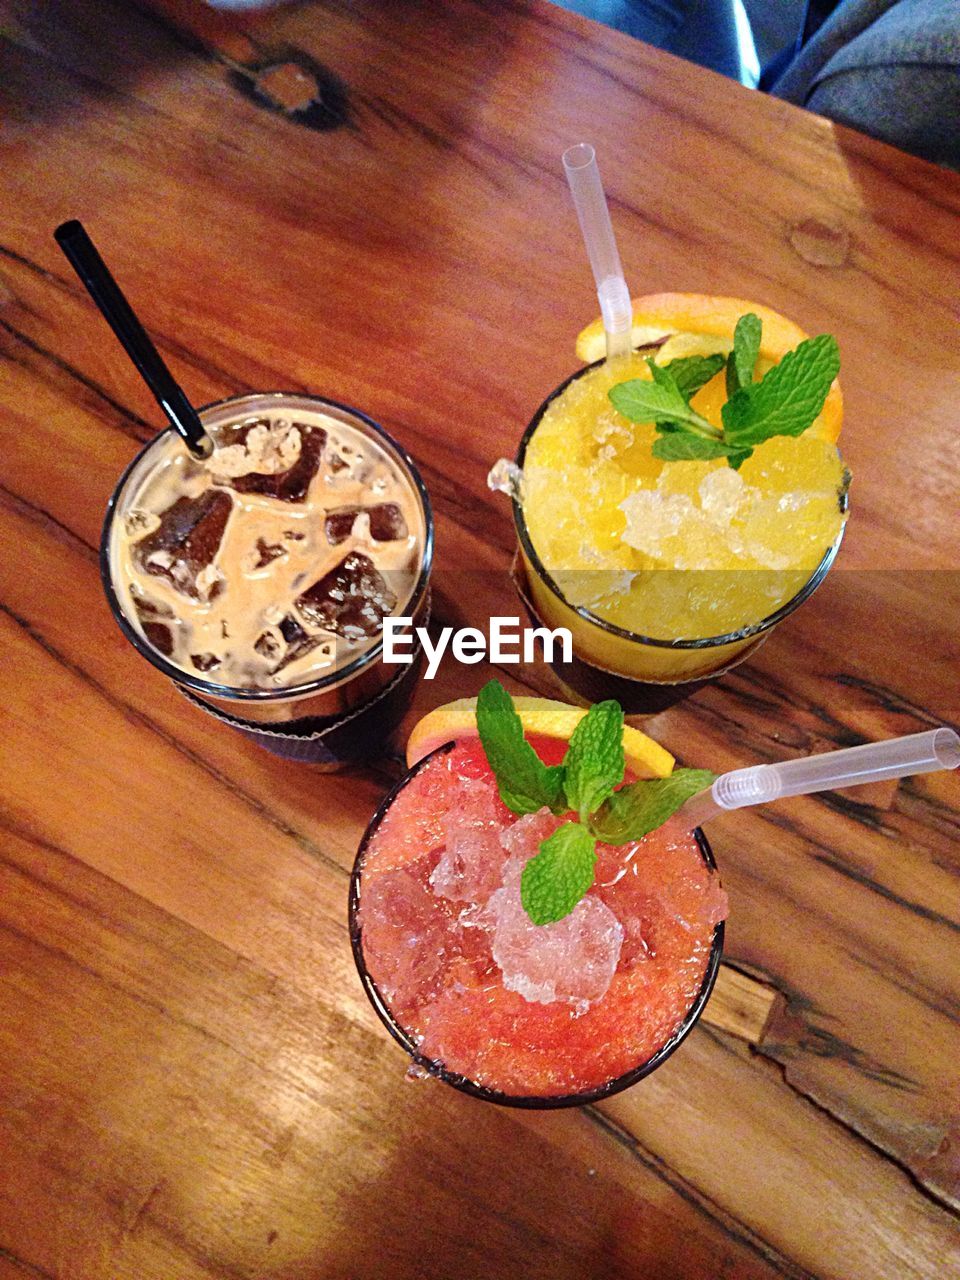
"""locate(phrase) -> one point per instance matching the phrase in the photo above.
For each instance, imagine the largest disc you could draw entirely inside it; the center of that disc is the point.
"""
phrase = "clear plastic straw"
(873, 762)
(580, 166)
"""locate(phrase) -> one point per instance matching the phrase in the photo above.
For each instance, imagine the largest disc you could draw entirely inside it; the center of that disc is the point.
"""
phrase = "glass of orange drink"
(668, 573)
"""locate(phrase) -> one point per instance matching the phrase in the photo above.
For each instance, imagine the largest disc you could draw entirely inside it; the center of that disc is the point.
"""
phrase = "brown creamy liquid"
(274, 562)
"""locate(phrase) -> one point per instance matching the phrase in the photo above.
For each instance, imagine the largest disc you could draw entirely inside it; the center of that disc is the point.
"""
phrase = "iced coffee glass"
(259, 579)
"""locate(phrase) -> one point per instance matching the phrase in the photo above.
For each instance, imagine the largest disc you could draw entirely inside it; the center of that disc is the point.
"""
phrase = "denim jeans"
(702, 31)
(890, 68)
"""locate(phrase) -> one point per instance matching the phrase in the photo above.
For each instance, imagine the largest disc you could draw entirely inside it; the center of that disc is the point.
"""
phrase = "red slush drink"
(536, 1016)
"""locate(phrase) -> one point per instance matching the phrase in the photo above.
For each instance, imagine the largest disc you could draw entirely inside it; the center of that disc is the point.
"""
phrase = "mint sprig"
(788, 397)
(558, 876)
(594, 763)
(660, 401)
(641, 807)
(785, 402)
(692, 373)
(525, 783)
(681, 447)
(742, 360)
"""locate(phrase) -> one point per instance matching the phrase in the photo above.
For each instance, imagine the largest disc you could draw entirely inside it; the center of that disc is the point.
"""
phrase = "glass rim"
(463, 1083)
(290, 692)
(635, 637)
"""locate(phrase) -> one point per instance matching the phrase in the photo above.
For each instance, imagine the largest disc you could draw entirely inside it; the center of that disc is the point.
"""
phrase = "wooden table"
(191, 1081)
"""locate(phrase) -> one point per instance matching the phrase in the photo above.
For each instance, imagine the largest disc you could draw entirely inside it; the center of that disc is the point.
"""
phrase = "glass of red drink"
(507, 1011)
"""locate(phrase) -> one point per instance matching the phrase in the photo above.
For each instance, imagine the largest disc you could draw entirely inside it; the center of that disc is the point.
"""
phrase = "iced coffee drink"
(263, 574)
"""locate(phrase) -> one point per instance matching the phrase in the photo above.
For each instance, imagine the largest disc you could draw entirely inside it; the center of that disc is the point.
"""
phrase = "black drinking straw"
(116, 310)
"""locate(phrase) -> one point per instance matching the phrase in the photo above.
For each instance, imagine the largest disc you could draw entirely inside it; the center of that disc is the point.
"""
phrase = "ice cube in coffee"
(274, 562)
(185, 542)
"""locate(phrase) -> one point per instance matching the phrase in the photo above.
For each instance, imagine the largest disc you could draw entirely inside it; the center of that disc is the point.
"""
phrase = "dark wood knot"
(291, 83)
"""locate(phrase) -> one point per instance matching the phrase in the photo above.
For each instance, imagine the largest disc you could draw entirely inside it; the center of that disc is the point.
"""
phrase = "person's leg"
(717, 34)
(704, 31)
(914, 108)
(894, 75)
(656, 21)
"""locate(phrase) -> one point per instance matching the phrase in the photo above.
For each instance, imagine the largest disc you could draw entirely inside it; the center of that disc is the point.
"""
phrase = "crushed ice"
(691, 529)
(657, 517)
(470, 866)
(572, 960)
(723, 495)
(268, 448)
(505, 477)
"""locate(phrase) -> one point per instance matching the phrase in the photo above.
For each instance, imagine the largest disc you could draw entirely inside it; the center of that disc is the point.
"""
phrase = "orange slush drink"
(666, 570)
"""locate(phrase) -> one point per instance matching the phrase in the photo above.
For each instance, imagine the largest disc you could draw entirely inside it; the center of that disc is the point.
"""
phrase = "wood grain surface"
(192, 1084)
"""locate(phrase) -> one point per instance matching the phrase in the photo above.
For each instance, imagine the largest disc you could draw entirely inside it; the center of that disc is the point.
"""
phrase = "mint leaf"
(737, 457)
(785, 402)
(787, 399)
(643, 401)
(556, 878)
(691, 373)
(525, 783)
(594, 761)
(663, 377)
(746, 348)
(680, 446)
(641, 807)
